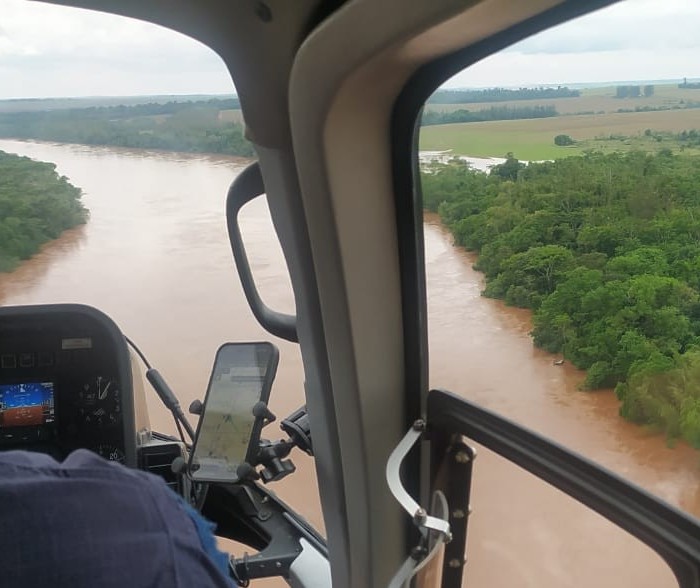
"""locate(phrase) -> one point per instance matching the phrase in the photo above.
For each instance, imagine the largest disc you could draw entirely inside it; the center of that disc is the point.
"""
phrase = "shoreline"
(607, 396)
(424, 156)
(73, 237)
(127, 150)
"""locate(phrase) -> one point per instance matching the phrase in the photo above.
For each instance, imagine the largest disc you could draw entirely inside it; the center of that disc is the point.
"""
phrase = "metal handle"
(246, 187)
(439, 527)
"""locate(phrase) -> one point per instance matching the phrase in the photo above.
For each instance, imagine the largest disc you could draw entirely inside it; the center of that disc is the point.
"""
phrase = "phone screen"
(228, 430)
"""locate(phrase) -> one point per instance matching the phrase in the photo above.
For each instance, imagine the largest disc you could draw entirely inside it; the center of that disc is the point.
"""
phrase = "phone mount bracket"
(434, 531)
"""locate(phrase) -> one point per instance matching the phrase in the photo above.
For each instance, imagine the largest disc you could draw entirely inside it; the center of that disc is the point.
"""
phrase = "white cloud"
(632, 40)
(48, 50)
(634, 24)
(519, 69)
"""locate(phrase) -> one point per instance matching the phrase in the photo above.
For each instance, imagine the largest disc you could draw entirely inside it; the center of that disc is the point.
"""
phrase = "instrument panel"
(65, 383)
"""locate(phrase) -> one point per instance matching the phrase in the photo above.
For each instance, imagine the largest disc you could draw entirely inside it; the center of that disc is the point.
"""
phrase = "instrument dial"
(110, 452)
(100, 402)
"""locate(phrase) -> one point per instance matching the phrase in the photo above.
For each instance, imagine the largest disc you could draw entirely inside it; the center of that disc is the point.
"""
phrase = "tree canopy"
(174, 126)
(605, 249)
(436, 117)
(36, 205)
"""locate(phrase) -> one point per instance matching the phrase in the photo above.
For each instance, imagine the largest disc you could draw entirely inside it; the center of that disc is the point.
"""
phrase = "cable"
(200, 495)
(181, 433)
(166, 394)
(138, 351)
(179, 430)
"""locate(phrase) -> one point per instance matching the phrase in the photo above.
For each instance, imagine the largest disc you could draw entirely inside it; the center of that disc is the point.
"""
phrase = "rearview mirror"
(229, 429)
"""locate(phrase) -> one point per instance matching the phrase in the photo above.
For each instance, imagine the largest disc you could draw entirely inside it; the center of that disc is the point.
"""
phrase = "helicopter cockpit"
(66, 383)
(330, 92)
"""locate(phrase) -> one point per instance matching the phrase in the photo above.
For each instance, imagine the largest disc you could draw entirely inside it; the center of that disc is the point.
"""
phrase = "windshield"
(144, 122)
(145, 125)
(560, 234)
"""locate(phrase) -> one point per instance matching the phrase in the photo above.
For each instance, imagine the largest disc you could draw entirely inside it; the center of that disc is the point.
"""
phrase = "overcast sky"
(48, 51)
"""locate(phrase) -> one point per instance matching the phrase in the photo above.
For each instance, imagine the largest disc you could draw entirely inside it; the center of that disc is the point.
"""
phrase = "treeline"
(153, 108)
(36, 205)
(44, 104)
(682, 106)
(126, 111)
(605, 249)
(174, 126)
(500, 95)
(436, 117)
(686, 139)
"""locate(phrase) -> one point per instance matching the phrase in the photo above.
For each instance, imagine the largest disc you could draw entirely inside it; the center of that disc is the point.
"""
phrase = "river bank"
(155, 257)
(491, 342)
(183, 221)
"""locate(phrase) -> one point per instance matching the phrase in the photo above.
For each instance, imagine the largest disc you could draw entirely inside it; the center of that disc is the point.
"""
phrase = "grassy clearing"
(534, 139)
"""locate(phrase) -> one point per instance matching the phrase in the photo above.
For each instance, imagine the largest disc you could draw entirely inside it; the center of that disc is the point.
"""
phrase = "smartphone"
(228, 433)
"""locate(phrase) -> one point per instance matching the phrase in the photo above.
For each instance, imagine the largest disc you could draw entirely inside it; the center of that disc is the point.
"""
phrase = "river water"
(154, 256)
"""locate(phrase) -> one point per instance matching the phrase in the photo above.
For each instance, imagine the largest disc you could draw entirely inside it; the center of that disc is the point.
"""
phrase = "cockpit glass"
(140, 132)
(559, 181)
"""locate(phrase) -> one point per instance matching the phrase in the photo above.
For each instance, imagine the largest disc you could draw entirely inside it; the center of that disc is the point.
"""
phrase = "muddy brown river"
(155, 257)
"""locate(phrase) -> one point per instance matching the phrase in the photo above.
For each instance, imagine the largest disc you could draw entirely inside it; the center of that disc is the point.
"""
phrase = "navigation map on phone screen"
(241, 377)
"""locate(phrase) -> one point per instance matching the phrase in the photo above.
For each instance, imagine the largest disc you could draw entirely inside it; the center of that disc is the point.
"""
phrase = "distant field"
(591, 100)
(534, 139)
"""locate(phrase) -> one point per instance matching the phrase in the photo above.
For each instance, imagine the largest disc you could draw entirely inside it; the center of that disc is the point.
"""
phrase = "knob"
(196, 407)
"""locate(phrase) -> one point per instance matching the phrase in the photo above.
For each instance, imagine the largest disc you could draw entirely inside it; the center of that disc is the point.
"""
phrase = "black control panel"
(65, 383)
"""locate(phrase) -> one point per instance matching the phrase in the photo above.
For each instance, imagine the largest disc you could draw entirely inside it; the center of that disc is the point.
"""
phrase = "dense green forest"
(174, 126)
(435, 117)
(36, 205)
(500, 95)
(605, 249)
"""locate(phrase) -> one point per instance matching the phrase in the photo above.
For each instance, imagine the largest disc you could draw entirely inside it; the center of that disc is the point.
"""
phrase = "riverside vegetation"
(605, 249)
(195, 127)
(36, 205)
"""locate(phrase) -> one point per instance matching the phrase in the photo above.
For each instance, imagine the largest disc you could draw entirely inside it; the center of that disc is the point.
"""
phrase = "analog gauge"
(110, 452)
(100, 401)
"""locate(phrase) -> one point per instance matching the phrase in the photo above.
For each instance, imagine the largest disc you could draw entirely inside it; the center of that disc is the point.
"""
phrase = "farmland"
(596, 100)
(534, 139)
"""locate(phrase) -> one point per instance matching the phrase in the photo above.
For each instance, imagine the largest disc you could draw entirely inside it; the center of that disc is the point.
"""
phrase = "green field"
(533, 139)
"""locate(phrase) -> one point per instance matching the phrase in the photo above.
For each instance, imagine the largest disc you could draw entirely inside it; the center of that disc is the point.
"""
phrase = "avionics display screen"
(27, 404)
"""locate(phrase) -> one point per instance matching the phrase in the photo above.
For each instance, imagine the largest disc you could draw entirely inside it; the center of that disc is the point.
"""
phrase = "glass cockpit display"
(229, 429)
(26, 404)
